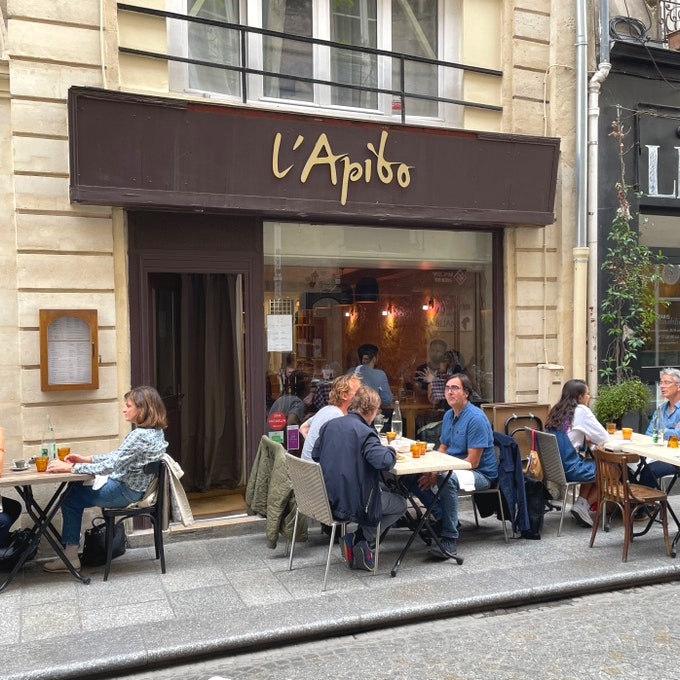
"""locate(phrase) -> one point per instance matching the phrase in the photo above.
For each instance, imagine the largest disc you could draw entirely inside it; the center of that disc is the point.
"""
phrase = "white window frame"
(449, 46)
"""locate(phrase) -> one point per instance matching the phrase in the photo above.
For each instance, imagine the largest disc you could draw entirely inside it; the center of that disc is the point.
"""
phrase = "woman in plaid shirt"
(127, 482)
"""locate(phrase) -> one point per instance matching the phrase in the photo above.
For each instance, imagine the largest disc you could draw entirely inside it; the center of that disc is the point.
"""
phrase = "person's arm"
(586, 421)
(305, 427)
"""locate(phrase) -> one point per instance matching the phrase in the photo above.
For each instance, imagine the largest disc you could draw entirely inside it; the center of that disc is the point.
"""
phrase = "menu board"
(68, 349)
(69, 353)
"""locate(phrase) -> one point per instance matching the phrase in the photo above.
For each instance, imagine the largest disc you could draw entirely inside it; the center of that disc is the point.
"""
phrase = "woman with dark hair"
(574, 424)
(127, 482)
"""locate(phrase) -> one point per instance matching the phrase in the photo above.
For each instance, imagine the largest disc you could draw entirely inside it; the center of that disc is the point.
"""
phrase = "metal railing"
(398, 91)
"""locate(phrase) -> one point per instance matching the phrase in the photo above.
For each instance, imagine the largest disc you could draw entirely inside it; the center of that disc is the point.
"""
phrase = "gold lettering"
(352, 172)
(315, 158)
(403, 175)
(384, 167)
(279, 174)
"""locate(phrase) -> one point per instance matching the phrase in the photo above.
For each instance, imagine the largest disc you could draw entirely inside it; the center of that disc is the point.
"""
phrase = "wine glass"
(379, 422)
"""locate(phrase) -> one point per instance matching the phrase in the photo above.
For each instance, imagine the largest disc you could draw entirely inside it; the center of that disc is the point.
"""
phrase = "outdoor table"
(644, 446)
(432, 461)
(24, 482)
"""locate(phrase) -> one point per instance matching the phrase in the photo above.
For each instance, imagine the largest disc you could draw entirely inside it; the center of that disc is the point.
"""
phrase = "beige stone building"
(65, 248)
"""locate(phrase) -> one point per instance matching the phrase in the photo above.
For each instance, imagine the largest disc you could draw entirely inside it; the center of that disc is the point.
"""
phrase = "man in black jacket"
(352, 457)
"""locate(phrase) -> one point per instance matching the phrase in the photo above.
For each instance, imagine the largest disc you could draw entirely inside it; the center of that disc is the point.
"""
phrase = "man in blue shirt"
(666, 419)
(466, 434)
(374, 377)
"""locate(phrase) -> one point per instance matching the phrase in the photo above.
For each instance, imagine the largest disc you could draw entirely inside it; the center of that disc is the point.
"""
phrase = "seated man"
(339, 400)
(466, 434)
(351, 457)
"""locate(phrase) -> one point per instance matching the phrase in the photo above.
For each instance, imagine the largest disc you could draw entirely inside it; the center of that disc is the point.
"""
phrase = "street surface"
(631, 634)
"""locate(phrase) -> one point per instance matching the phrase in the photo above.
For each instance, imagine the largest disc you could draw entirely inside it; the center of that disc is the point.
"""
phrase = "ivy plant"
(630, 306)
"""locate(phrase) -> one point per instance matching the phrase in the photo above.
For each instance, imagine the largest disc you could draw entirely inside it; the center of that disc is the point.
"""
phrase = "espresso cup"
(20, 463)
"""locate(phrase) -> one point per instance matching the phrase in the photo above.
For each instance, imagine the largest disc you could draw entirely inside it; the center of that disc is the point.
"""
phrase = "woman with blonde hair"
(340, 397)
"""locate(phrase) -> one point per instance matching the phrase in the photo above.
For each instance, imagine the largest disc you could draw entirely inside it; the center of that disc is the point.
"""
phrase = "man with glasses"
(466, 434)
(666, 420)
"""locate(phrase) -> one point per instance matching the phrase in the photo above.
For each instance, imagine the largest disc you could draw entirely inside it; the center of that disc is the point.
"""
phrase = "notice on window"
(69, 354)
(279, 333)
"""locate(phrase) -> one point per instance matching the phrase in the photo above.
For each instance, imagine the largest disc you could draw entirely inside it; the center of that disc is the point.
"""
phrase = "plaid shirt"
(126, 463)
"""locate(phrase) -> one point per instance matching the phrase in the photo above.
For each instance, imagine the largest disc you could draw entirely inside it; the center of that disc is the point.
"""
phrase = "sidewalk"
(226, 594)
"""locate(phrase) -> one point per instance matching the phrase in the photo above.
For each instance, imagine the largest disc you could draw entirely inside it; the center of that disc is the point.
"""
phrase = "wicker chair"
(614, 487)
(311, 498)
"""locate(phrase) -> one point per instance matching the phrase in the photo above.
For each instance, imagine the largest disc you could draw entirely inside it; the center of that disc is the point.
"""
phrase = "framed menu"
(69, 352)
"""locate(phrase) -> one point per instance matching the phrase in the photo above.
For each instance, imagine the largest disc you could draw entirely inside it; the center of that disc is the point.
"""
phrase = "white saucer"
(23, 469)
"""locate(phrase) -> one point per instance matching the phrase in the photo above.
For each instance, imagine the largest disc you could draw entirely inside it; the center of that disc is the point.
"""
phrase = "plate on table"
(23, 469)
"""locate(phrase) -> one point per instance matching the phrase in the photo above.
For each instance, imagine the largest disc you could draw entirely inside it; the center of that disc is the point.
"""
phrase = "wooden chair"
(614, 487)
(311, 498)
(553, 470)
(151, 506)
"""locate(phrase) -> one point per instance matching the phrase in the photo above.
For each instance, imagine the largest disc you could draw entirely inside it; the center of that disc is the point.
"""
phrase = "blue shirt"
(377, 379)
(470, 430)
(667, 422)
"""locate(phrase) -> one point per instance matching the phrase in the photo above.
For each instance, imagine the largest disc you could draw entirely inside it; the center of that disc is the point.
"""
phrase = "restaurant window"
(409, 27)
(330, 289)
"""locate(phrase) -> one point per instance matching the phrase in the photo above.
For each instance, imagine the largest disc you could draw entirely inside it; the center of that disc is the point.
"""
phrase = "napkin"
(466, 479)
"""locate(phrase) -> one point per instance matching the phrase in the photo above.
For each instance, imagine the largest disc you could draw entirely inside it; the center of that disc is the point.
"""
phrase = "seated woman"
(568, 420)
(127, 481)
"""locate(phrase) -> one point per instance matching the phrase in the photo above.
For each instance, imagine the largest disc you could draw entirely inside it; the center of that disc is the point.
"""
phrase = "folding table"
(24, 482)
(432, 461)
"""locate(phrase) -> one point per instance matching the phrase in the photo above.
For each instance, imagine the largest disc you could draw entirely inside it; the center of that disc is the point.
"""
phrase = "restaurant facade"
(223, 239)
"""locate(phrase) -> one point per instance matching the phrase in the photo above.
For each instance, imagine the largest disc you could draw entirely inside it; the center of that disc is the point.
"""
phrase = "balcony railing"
(448, 78)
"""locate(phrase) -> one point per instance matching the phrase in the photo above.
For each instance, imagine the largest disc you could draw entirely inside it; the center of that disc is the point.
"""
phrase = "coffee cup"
(20, 463)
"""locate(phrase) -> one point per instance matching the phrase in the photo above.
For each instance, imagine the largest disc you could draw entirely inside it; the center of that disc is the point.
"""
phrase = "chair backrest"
(551, 461)
(612, 474)
(152, 496)
(309, 488)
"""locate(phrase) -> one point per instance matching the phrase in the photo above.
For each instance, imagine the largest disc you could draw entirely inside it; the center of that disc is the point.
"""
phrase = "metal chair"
(553, 470)
(495, 489)
(613, 486)
(311, 498)
(152, 505)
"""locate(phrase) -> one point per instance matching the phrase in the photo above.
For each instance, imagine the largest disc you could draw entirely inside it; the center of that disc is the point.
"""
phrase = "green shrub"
(615, 401)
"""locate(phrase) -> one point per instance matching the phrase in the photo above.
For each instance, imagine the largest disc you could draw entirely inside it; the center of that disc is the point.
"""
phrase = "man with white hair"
(666, 420)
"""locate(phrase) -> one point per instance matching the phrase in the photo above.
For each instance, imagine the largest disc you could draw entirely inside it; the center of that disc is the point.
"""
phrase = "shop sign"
(659, 167)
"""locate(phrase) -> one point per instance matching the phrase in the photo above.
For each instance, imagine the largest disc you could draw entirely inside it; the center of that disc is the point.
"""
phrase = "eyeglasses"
(453, 388)
(668, 382)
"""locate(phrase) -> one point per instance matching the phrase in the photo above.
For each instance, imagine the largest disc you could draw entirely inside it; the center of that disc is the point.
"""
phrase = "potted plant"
(629, 309)
(616, 401)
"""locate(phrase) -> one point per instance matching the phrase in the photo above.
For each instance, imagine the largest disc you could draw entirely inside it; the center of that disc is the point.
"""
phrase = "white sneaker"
(581, 512)
(56, 566)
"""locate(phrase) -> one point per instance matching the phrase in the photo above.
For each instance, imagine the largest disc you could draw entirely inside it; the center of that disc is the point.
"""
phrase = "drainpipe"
(594, 88)
(580, 252)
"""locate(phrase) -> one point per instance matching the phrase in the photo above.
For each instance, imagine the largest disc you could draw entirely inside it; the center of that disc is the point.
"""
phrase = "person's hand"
(74, 458)
(59, 466)
(427, 481)
(427, 375)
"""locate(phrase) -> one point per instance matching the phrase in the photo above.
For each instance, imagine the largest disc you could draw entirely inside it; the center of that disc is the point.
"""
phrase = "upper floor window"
(302, 72)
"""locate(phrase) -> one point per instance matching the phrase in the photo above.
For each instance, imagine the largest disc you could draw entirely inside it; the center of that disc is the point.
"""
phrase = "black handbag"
(10, 554)
(94, 547)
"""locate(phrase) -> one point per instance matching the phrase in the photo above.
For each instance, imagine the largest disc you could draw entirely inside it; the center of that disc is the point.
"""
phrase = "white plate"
(23, 469)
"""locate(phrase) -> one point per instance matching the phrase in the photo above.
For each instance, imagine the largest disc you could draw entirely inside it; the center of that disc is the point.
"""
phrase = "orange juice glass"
(391, 436)
(415, 450)
(63, 452)
(41, 463)
(627, 433)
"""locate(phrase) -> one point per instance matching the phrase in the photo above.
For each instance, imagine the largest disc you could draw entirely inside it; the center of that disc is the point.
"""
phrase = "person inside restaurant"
(666, 420)
(435, 381)
(352, 458)
(374, 377)
(434, 358)
(466, 434)
(126, 483)
(291, 404)
(568, 420)
(340, 398)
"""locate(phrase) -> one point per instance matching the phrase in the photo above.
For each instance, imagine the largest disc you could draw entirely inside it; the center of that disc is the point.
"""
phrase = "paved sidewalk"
(224, 595)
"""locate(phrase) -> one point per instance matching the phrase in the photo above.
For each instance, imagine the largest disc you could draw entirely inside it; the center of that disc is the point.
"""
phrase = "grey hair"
(671, 372)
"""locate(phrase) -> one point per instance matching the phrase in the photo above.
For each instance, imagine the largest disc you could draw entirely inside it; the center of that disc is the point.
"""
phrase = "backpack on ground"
(537, 495)
(9, 555)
